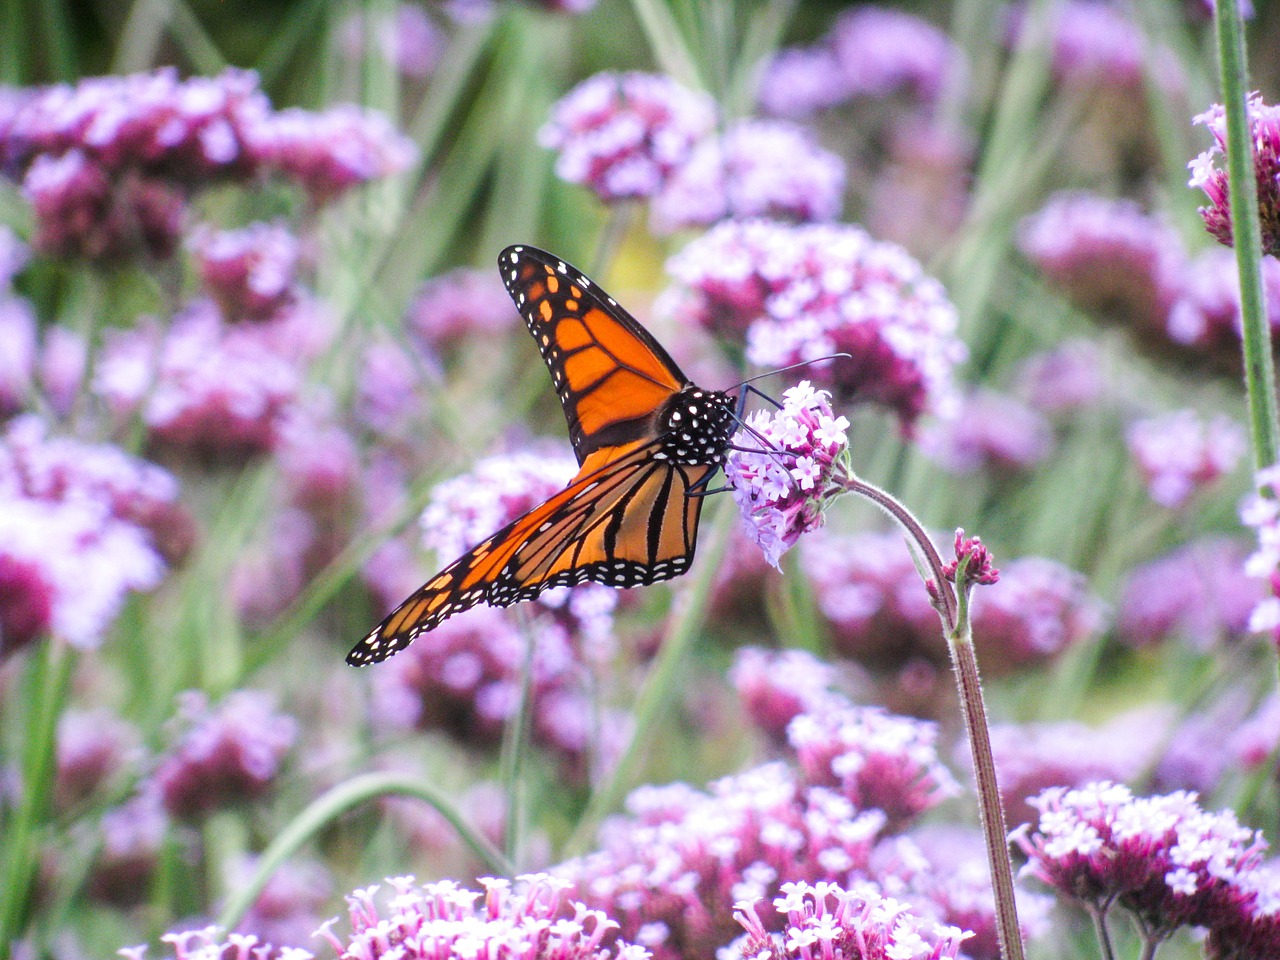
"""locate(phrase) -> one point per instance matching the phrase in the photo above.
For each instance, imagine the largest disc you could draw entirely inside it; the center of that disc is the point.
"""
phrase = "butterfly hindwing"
(610, 373)
(626, 522)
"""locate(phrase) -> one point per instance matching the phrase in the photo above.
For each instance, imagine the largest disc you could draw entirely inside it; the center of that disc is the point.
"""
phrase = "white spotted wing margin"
(615, 524)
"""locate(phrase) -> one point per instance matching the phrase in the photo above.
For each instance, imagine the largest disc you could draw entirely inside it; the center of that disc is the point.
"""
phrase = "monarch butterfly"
(646, 440)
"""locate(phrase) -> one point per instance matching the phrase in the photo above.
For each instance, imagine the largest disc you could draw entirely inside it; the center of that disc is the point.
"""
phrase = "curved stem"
(328, 807)
(1099, 917)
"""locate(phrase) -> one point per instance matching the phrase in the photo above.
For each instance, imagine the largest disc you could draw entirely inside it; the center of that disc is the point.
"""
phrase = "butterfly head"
(695, 426)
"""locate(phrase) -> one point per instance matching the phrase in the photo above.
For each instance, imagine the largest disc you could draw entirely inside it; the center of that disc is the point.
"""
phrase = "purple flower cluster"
(803, 292)
(1161, 859)
(1197, 593)
(217, 389)
(407, 38)
(208, 944)
(876, 759)
(824, 921)
(1112, 259)
(871, 52)
(250, 272)
(1032, 757)
(991, 431)
(81, 526)
(1178, 454)
(1037, 609)
(108, 164)
(757, 168)
(533, 920)
(1261, 511)
(459, 306)
(222, 753)
(623, 134)
(93, 748)
(464, 678)
(1208, 172)
(775, 686)
(671, 871)
(1067, 377)
(786, 466)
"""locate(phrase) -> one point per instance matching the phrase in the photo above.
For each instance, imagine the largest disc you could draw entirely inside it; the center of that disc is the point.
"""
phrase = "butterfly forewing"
(610, 374)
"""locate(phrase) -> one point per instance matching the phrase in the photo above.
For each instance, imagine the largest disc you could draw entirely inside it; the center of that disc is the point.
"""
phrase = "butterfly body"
(647, 440)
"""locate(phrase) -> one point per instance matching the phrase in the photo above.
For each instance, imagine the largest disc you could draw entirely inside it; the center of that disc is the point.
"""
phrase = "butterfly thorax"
(694, 426)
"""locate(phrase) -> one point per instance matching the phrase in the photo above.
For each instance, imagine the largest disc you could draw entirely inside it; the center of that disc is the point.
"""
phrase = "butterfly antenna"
(790, 366)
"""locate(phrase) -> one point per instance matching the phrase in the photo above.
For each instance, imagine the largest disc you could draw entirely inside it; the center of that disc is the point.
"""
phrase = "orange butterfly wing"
(644, 436)
(610, 373)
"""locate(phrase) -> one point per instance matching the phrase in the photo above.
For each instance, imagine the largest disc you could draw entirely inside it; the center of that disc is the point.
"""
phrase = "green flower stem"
(1104, 935)
(1259, 368)
(515, 744)
(954, 610)
(47, 683)
(333, 804)
(660, 685)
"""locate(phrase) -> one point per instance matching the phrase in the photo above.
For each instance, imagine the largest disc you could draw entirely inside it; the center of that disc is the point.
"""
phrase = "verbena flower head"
(623, 134)
(991, 431)
(825, 920)
(211, 943)
(1198, 594)
(1065, 378)
(291, 905)
(1253, 929)
(460, 305)
(876, 759)
(758, 168)
(799, 81)
(1162, 858)
(93, 748)
(883, 51)
(1261, 511)
(1209, 172)
(132, 837)
(250, 272)
(1179, 454)
(204, 386)
(1107, 256)
(1206, 315)
(804, 292)
(330, 152)
(671, 870)
(775, 686)
(797, 457)
(532, 919)
(1037, 609)
(1032, 757)
(223, 753)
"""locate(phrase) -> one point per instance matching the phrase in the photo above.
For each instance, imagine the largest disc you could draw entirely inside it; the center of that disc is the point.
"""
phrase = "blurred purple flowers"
(109, 164)
(1179, 454)
(624, 134)
(804, 292)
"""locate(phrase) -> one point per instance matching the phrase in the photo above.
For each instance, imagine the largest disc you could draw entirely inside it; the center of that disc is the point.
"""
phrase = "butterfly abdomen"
(694, 427)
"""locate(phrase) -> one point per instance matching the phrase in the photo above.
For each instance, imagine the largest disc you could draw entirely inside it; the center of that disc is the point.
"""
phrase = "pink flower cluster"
(531, 920)
(109, 163)
(1111, 258)
(464, 678)
(876, 759)
(1179, 454)
(1208, 172)
(870, 52)
(990, 430)
(1161, 859)
(250, 272)
(81, 526)
(775, 686)
(624, 134)
(222, 753)
(803, 292)
(785, 467)
(1197, 593)
(217, 389)
(825, 921)
(757, 168)
(458, 306)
